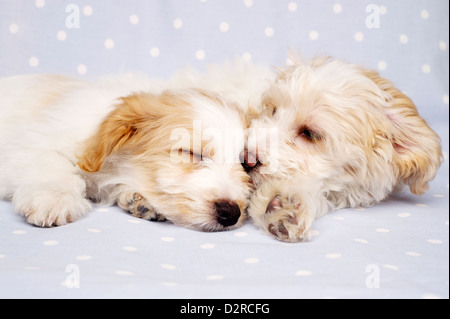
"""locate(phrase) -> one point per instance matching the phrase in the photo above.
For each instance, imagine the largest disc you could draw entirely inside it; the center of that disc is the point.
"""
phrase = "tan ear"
(417, 147)
(119, 128)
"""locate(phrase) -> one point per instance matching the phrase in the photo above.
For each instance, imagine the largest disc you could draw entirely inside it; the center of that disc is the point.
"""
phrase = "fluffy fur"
(344, 137)
(158, 153)
(322, 135)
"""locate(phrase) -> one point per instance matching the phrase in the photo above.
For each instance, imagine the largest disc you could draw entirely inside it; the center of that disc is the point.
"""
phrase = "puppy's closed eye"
(195, 157)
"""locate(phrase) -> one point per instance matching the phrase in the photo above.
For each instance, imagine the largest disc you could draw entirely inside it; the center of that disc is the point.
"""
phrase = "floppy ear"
(417, 148)
(120, 127)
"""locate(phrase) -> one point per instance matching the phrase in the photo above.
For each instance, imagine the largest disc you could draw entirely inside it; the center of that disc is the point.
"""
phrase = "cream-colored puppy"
(332, 135)
(160, 154)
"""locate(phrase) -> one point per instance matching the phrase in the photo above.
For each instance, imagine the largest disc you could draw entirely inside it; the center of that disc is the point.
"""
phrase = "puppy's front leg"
(139, 207)
(284, 211)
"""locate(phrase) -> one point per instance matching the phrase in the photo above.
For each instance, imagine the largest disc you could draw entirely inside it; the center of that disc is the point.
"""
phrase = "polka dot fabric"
(397, 249)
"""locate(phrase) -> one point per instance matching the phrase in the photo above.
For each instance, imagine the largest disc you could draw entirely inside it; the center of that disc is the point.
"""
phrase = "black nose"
(228, 213)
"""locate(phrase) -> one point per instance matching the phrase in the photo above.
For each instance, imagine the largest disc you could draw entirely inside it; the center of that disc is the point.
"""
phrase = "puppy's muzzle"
(228, 212)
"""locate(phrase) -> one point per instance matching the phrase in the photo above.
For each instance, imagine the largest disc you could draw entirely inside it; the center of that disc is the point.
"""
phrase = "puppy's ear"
(121, 127)
(417, 148)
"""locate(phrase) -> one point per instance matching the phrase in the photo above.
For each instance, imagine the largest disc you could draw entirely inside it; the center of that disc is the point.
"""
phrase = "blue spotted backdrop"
(396, 249)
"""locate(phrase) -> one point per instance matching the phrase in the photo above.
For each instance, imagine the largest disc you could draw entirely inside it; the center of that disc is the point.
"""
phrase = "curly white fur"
(345, 138)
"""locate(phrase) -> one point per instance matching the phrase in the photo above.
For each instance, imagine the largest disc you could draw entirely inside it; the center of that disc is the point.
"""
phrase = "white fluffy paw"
(286, 220)
(50, 208)
(138, 206)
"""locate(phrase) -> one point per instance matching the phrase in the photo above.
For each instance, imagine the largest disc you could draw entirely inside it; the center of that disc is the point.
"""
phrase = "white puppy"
(159, 154)
(332, 135)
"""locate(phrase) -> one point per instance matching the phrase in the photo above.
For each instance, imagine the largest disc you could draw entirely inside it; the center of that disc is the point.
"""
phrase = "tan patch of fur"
(418, 152)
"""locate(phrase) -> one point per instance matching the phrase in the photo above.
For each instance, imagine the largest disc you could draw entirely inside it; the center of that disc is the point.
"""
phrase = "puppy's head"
(351, 131)
(181, 151)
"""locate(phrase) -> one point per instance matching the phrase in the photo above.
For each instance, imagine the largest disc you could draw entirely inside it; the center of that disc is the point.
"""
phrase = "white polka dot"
(413, 254)
(303, 273)
(200, 55)
(434, 241)
(50, 243)
(383, 9)
(333, 256)
(269, 32)
(392, 267)
(167, 239)
(81, 69)
(154, 52)
(214, 277)
(248, 3)
(13, 28)
(169, 283)
(338, 218)
(446, 222)
(134, 221)
(442, 45)
(129, 248)
(177, 23)
(61, 35)
(361, 241)
(426, 69)
(404, 39)
(337, 8)
(251, 260)
(103, 210)
(109, 43)
(40, 3)
(313, 35)
(83, 257)
(382, 230)
(404, 215)
(124, 273)
(31, 268)
(94, 230)
(134, 19)
(33, 61)
(382, 65)
(424, 14)
(2, 256)
(19, 232)
(292, 6)
(247, 57)
(207, 246)
(87, 10)
(438, 196)
(240, 234)
(224, 27)
(314, 232)
(422, 205)
(359, 36)
(168, 267)
(359, 209)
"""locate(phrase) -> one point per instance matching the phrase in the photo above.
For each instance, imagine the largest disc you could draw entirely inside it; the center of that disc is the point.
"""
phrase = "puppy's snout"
(228, 213)
(249, 160)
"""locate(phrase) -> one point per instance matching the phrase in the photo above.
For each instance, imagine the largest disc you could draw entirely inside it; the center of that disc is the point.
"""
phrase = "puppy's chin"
(205, 219)
(209, 225)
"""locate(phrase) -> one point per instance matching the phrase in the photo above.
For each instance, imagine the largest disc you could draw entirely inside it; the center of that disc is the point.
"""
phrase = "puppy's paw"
(286, 219)
(139, 207)
(47, 208)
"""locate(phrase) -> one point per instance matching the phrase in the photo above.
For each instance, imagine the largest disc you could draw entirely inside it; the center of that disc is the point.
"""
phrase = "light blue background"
(406, 237)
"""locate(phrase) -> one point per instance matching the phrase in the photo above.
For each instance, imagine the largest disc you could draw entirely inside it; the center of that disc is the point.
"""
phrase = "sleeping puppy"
(160, 154)
(332, 135)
